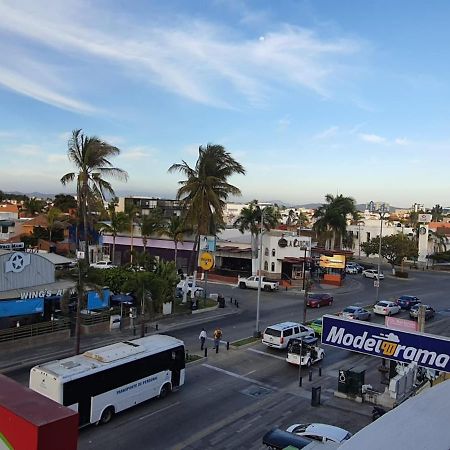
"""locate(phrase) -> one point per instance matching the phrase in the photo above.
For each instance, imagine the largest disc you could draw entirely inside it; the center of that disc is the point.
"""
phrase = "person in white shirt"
(202, 338)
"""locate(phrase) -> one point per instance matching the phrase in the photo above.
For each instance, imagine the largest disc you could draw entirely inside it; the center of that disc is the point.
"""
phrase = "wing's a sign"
(425, 349)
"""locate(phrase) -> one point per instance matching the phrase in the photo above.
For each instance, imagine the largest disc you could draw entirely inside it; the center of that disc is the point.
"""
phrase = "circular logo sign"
(206, 261)
(422, 230)
(282, 242)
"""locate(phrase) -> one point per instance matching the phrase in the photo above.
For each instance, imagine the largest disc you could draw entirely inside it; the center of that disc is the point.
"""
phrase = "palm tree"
(291, 218)
(90, 156)
(302, 219)
(206, 188)
(437, 213)
(33, 206)
(54, 221)
(175, 229)
(118, 222)
(250, 220)
(332, 217)
(132, 213)
(151, 223)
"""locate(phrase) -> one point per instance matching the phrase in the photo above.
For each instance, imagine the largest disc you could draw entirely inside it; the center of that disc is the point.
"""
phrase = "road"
(231, 399)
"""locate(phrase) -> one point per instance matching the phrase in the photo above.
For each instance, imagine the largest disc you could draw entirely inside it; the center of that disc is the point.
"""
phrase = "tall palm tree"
(90, 156)
(54, 221)
(175, 229)
(206, 188)
(151, 224)
(437, 213)
(118, 222)
(33, 206)
(132, 213)
(250, 220)
(332, 216)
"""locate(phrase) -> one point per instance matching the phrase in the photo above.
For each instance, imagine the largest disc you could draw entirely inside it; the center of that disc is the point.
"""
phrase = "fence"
(92, 319)
(37, 329)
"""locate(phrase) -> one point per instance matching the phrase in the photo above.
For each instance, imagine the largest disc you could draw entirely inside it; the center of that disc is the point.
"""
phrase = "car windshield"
(316, 296)
(350, 309)
(383, 304)
(318, 322)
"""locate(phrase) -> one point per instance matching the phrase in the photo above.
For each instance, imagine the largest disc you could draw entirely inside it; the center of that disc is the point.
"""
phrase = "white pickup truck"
(253, 281)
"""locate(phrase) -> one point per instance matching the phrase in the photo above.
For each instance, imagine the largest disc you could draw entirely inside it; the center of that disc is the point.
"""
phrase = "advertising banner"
(333, 262)
(94, 301)
(377, 340)
(207, 243)
(11, 308)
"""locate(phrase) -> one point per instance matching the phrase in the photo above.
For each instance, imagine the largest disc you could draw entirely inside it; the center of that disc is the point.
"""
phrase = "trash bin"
(221, 301)
(315, 396)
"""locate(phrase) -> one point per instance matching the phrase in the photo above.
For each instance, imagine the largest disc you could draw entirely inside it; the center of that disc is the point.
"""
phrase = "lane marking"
(158, 411)
(265, 354)
(240, 377)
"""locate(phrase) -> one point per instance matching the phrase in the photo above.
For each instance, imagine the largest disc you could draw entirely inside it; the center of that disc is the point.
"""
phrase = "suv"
(279, 335)
(407, 301)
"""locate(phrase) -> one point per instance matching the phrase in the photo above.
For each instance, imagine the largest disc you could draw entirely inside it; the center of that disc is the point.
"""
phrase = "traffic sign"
(376, 283)
(206, 261)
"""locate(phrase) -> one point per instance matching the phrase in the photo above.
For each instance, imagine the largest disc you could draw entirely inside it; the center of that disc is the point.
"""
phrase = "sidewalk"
(350, 285)
(27, 358)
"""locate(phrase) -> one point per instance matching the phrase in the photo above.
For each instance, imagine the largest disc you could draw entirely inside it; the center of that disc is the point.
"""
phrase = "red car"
(318, 300)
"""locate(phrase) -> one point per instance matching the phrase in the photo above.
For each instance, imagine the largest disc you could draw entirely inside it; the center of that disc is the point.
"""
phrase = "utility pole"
(421, 318)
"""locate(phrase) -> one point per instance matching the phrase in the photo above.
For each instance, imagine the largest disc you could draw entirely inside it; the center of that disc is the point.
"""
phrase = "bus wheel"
(164, 391)
(107, 415)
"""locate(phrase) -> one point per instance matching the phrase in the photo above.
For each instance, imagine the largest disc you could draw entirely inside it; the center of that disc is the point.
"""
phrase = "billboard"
(333, 262)
(207, 243)
(426, 350)
(424, 218)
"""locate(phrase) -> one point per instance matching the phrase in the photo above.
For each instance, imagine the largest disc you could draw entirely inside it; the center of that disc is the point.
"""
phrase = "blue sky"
(312, 97)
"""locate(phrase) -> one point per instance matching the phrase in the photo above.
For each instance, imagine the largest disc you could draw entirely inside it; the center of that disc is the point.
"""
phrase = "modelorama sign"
(376, 340)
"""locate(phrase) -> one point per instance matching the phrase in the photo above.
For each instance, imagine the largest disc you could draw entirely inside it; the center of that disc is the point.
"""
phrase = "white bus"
(104, 381)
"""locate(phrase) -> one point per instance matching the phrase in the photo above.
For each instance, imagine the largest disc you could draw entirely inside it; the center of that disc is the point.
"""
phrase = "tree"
(205, 190)
(64, 202)
(175, 229)
(54, 220)
(118, 222)
(132, 212)
(437, 213)
(394, 248)
(90, 156)
(332, 216)
(33, 206)
(151, 224)
(250, 220)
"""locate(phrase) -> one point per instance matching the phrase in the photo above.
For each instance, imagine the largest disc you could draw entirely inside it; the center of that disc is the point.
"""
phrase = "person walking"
(202, 338)
(217, 338)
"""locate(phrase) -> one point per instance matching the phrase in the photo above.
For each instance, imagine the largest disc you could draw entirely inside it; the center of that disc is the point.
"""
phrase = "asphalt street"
(232, 398)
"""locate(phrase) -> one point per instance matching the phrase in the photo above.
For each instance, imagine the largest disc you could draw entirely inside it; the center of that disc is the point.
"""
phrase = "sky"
(311, 97)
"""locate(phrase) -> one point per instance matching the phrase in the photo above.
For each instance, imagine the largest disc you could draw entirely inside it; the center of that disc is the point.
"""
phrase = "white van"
(279, 335)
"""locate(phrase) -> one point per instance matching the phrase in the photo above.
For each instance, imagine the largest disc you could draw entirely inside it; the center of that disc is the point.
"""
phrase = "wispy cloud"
(401, 141)
(28, 150)
(283, 123)
(191, 58)
(373, 138)
(137, 153)
(57, 158)
(329, 132)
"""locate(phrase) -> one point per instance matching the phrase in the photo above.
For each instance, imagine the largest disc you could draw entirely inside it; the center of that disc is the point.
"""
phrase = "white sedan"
(386, 308)
(372, 273)
(102, 265)
(320, 432)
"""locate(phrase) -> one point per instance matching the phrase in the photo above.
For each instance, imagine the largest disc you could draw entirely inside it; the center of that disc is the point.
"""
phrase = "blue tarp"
(95, 302)
(11, 308)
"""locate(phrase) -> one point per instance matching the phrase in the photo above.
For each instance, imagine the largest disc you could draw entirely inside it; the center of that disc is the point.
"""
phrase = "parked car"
(351, 268)
(316, 325)
(320, 432)
(279, 335)
(318, 300)
(386, 308)
(407, 301)
(429, 312)
(102, 265)
(355, 312)
(279, 439)
(372, 273)
(253, 283)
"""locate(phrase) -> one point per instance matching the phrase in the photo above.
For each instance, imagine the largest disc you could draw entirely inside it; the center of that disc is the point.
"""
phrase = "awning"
(122, 298)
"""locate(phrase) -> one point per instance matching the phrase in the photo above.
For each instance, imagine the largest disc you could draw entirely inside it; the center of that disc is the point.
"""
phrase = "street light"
(260, 255)
(382, 210)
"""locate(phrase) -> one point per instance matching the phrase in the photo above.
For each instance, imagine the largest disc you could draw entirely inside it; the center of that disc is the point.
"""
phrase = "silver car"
(372, 273)
(355, 312)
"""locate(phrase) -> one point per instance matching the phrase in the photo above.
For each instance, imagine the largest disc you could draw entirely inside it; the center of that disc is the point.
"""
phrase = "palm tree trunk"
(114, 249)
(254, 246)
(193, 255)
(131, 243)
(175, 253)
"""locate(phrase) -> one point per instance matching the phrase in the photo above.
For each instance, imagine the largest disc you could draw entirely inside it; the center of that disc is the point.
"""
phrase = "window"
(287, 332)
(266, 252)
(273, 252)
(272, 267)
(266, 265)
(296, 330)
(4, 229)
(368, 237)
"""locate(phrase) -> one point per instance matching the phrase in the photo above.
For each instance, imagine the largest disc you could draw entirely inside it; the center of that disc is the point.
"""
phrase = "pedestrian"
(202, 338)
(217, 338)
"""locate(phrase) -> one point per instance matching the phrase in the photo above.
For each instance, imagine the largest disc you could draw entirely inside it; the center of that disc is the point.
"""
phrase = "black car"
(407, 301)
(429, 312)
